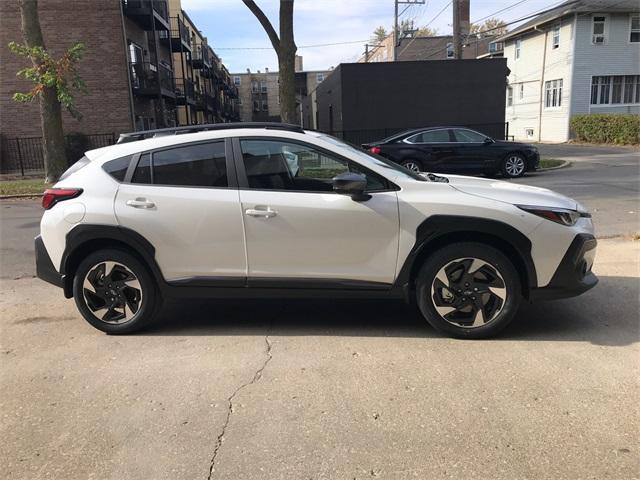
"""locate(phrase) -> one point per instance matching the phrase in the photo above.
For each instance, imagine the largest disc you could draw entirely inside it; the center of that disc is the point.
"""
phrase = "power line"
(428, 23)
(500, 11)
(301, 46)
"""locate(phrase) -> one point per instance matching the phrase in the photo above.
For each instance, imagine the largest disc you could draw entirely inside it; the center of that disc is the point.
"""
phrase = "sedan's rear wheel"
(514, 165)
(468, 290)
(413, 165)
(114, 292)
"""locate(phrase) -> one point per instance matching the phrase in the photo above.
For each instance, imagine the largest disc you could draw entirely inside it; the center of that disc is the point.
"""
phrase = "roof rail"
(161, 132)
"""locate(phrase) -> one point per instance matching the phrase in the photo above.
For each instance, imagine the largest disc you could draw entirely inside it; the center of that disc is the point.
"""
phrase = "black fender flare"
(439, 230)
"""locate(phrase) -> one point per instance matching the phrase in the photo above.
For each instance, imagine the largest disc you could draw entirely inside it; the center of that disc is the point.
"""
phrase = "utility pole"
(460, 25)
(366, 50)
(396, 33)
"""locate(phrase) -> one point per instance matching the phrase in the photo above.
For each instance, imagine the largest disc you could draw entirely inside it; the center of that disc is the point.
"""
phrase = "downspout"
(544, 62)
(571, 74)
(128, 68)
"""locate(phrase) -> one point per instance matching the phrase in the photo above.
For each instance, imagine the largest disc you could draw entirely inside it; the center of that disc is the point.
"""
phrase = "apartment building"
(581, 57)
(259, 98)
(146, 65)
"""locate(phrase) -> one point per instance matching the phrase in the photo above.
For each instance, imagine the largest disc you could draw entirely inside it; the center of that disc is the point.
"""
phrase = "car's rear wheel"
(413, 165)
(115, 292)
(514, 165)
(468, 290)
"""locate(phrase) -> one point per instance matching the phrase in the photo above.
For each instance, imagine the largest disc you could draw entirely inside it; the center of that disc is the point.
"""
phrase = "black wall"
(370, 100)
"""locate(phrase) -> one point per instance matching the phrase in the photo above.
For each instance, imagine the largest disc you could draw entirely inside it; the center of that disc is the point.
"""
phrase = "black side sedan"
(457, 150)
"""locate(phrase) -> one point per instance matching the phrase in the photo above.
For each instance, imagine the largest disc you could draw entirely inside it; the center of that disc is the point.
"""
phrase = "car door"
(471, 152)
(299, 232)
(436, 147)
(184, 200)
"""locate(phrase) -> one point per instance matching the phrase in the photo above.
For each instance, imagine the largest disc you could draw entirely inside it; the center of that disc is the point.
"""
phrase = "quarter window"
(117, 168)
(200, 165)
(553, 93)
(634, 28)
(431, 136)
(276, 165)
(468, 136)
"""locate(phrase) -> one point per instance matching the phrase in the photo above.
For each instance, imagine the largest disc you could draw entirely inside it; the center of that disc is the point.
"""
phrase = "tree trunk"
(55, 160)
(285, 48)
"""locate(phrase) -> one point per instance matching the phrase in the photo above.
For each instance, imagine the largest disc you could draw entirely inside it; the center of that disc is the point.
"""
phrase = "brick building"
(146, 65)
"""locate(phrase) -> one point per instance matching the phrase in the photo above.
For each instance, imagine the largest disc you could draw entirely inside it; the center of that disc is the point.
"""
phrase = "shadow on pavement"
(607, 315)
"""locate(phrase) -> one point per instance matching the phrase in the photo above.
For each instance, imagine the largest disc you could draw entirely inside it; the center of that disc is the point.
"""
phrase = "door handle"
(140, 203)
(261, 212)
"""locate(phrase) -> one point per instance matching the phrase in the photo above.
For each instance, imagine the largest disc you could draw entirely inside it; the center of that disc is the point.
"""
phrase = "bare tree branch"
(264, 21)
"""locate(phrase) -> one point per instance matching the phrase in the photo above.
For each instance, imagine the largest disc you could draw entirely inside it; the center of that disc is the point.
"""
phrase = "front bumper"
(44, 266)
(573, 276)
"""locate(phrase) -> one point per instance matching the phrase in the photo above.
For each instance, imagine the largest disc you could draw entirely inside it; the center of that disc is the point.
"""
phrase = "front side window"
(553, 93)
(598, 29)
(468, 136)
(278, 165)
(634, 28)
(199, 165)
(556, 36)
(518, 48)
(431, 136)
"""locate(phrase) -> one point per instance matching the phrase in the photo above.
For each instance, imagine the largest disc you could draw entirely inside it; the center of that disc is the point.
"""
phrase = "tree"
(490, 27)
(379, 34)
(426, 32)
(285, 48)
(53, 81)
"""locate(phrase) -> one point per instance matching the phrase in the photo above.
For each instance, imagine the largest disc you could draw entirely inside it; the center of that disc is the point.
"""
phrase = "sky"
(239, 39)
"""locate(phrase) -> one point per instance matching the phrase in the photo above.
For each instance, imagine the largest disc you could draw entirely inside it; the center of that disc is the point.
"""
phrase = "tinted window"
(431, 136)
(468, 136)
(275, 165)
(201, 165)
(117, 168)
(142, 173)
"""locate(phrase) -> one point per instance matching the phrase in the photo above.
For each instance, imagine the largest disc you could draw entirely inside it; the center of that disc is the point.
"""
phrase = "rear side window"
(201, 165)
(117, 168)
(142, 173)
(431, 136)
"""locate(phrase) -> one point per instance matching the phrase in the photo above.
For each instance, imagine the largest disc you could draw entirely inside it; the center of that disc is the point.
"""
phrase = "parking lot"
(315, 390)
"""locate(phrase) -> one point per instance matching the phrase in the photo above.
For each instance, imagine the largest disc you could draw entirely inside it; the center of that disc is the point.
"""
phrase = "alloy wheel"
(468, 292)
(112, 292)
(514, 165)
(413, 166)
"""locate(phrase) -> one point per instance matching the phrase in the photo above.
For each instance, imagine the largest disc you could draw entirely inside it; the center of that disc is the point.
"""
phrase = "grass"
(32, 186)
(550, 163)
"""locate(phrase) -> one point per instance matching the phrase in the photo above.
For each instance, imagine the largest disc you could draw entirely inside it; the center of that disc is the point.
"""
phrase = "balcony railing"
(140, 9)
(179, 30)
(148, 78)
(201, 58)
(185, 90)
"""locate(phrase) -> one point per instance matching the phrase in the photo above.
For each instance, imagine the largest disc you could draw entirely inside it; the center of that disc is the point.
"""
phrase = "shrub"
(606, 128)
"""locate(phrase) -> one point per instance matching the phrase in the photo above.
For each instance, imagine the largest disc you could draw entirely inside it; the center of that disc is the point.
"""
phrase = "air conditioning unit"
(598, 39)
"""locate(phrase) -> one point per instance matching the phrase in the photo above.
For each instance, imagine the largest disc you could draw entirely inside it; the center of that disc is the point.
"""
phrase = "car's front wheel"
(468, 290)
(115, 292)
(514, 165)
(413, 165)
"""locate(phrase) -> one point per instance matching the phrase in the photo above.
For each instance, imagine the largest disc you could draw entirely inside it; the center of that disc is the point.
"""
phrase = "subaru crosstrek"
(272, 210)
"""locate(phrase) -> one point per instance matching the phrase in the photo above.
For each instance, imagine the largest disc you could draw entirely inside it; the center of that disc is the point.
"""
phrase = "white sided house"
(581, 57)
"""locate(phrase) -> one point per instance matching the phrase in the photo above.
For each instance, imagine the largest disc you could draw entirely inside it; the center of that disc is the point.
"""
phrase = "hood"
(513, 193)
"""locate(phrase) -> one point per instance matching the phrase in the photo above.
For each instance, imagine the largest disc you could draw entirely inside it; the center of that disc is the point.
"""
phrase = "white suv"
(271, 210)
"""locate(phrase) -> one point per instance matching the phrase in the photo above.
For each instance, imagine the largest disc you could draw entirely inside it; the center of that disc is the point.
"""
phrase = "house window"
(509, 96)
(553, 94)
(450, 52)
(518, 48)
(254, 87)
(495, 47)
(556, 36)
(265, 106)
(237, 81)
(634, 28)
(598, 29)
(521, 91)
(256, 106)
(615, 90)
(319, 77)
(263, 86)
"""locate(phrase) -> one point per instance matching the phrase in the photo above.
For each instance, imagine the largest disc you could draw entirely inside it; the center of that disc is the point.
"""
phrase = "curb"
(21, 195)
(566, 164)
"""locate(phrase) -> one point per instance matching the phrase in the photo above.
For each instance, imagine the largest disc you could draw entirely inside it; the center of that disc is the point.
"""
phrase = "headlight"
(562, 216)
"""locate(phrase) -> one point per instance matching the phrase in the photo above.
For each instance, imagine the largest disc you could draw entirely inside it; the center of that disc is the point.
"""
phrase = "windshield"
(370, 157)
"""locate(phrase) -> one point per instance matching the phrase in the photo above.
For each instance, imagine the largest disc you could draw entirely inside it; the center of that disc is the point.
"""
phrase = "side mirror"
(488, 141)
(352, 184)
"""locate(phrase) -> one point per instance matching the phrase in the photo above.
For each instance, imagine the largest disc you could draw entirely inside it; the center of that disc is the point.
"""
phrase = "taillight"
(375, 150)
(54, 195)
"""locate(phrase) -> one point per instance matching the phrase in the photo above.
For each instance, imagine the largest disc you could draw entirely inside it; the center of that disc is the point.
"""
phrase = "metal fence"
(499, 131)
(24, 155)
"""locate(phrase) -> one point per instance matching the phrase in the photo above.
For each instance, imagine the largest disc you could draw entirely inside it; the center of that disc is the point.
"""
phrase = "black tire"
(148, 304)
(411, 164)
(514, 165)
(502, 312)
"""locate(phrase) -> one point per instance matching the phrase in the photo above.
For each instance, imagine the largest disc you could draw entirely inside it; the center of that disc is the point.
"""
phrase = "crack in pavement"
(256, 376)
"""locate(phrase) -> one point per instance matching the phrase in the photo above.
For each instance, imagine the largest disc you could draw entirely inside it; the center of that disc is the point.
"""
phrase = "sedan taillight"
(375, 150)
(54, 195)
